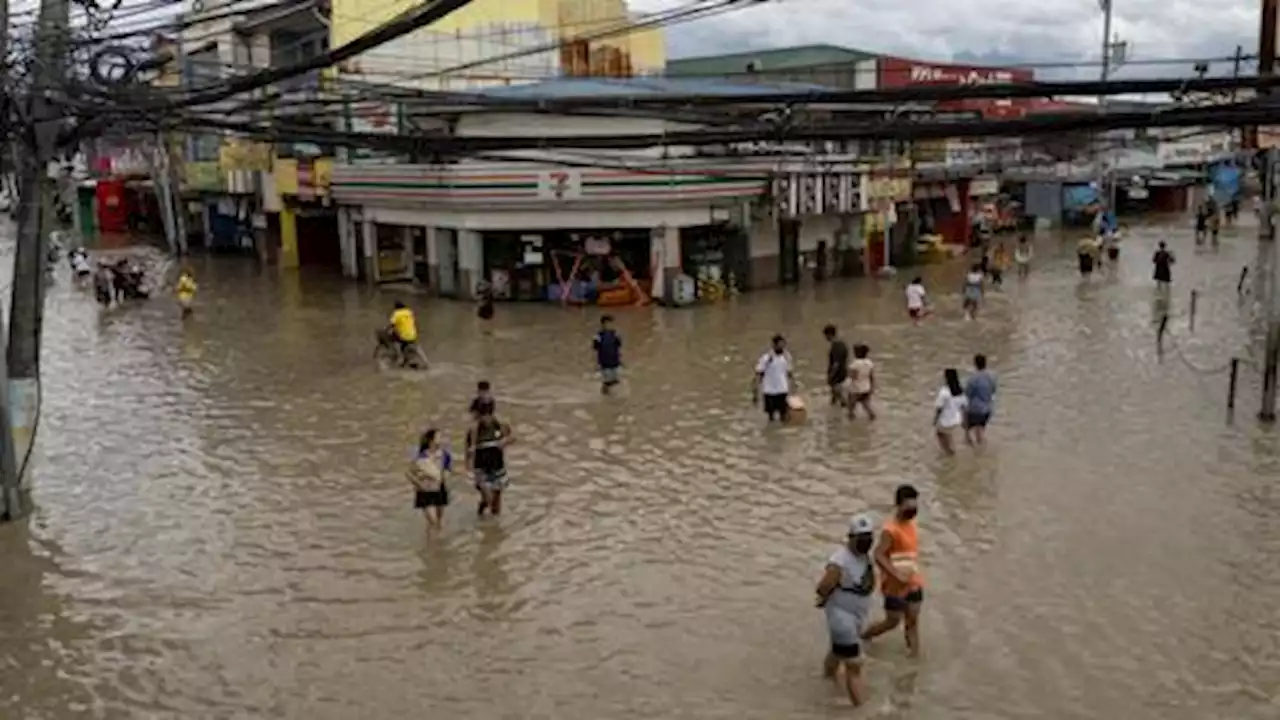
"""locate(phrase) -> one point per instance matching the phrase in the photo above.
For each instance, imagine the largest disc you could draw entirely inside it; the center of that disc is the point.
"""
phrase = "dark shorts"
(1113, 253)
(846, 652)
(430, 498)
(915, 312)
(863, 398)
(1086, 264)
(485, 312)
(491, 480)
(776, 405)
(899, 604)
(977, 419)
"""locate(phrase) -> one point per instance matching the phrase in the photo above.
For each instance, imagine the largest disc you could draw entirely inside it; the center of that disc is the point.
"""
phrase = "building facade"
(661, 223)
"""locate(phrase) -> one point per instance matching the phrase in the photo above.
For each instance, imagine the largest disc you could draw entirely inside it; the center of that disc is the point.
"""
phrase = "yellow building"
(485, 29)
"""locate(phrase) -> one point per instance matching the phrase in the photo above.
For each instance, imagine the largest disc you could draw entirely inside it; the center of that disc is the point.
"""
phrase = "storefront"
(533, 232)
(716, 257)
(944, 209)
(393, 252)
(886, 200)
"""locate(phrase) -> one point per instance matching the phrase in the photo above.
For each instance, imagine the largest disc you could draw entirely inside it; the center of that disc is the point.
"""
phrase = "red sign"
(113, 211)
(900, 73)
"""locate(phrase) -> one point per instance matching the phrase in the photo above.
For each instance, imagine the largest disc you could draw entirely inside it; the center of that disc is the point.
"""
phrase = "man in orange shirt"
(897, 556)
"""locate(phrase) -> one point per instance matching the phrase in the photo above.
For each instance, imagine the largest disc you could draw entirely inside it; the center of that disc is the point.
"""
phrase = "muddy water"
(222, 527)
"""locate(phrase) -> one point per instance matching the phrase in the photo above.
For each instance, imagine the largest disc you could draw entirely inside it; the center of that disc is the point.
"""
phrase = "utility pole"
(886, 267)
(1265, 266)
(22, 354)
(1102, 100)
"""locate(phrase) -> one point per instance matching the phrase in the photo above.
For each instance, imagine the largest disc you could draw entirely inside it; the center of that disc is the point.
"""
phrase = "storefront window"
(604, 266)
(702, 256)
(395, 256)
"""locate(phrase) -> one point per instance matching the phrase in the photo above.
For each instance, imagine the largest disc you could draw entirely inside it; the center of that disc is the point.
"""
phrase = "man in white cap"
(844, 594)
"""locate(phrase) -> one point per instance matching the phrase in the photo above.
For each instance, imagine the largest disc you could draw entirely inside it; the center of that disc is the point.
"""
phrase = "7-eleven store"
(543, 232)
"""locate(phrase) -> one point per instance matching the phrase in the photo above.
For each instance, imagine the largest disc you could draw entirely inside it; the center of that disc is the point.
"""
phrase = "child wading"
(608, 347)
(917, 300)
(862, 381)
(1022, 256)
(999, 263)
(972, 292)
(186, 291)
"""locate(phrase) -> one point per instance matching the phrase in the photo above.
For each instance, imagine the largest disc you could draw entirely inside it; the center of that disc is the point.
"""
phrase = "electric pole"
(1265, 266)
(22, 356)
(1102, 100)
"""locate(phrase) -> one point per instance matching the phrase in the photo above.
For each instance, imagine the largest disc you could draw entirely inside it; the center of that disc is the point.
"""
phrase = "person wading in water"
(844, 594)
(837, 365)
(487, 441)
(1163, 261)
(427, 476)
(896, 557)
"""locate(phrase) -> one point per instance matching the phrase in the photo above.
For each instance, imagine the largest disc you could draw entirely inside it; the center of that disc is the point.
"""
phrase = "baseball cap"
(861, 524)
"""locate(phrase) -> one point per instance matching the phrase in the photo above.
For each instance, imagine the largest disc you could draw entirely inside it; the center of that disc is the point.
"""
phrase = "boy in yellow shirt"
(186, 291)
(405, 327)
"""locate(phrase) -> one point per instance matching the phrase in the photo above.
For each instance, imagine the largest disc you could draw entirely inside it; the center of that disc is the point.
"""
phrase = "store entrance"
(604, 267)
(394, 253)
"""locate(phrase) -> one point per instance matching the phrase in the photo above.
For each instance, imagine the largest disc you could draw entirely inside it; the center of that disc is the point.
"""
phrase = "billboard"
(897, 72)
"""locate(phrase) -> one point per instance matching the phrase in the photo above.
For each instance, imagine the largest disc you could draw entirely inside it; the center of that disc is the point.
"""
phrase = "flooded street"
(223, 529)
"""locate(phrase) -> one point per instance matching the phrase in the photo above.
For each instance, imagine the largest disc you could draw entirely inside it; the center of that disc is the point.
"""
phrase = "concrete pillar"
(288, 239)
(349, 242)
(369, 249)
(433, 260)
(470, 262)
(664, 258)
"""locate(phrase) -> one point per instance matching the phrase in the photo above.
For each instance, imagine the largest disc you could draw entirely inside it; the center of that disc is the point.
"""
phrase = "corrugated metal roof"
(649, 87)
(774, 60)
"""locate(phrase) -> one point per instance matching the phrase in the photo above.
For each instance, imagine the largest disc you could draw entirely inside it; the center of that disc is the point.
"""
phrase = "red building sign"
(900, 73)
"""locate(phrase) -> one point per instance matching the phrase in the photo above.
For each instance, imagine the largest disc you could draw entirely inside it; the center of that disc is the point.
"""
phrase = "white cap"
(861, 524)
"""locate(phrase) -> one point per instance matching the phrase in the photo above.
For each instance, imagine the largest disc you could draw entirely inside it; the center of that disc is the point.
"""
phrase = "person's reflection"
(488, 574)
(439, 557)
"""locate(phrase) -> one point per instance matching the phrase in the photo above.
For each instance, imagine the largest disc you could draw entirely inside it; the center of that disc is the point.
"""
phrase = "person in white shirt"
(773, 380)
(1022, 256)
(844, 594)
(972, 292)
(949, 410)
(862, 381)
(917, 299)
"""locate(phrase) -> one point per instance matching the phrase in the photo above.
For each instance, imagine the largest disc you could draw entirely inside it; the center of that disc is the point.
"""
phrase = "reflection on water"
(223, 528)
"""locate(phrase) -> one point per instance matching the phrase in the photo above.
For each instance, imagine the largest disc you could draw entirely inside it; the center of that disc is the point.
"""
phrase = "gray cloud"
(994, 31)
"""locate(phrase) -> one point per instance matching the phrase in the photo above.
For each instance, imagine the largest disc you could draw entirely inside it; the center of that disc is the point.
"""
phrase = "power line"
(1232, 115)
(425, 14)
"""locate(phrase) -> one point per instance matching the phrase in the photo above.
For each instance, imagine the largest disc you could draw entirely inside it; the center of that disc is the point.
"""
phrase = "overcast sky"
(993, 31)
(976, 31)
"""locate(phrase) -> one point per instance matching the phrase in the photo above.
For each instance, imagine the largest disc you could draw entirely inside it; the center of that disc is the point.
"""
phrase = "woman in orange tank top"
(897, 556)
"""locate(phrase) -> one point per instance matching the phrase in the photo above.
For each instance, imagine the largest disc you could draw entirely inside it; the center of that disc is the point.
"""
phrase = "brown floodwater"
(222, 528)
